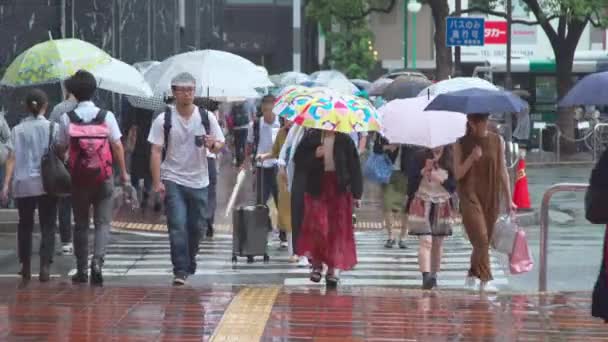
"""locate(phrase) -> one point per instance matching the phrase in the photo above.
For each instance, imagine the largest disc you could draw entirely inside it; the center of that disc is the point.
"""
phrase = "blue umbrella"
(477, 100)
(591, 90)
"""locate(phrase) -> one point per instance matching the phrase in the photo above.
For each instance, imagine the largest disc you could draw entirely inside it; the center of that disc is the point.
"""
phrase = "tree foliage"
(348, 36)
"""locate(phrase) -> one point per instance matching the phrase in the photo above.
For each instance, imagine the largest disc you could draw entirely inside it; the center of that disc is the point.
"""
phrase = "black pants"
(64, 211)
(298, 188)
(26, 207)
(240, 141)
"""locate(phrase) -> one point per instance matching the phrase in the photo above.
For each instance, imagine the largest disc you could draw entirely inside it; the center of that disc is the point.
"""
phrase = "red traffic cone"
(521, 195)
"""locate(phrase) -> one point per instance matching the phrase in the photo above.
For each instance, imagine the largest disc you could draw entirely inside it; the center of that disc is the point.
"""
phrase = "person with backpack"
(93, 139)
(30, 141)
(180, 138)
(260, 140)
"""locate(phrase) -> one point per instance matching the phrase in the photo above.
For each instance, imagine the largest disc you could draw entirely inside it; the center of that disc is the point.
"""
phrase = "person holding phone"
(482, 178)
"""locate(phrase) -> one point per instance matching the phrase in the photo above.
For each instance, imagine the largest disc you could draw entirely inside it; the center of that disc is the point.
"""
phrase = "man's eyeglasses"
(183, 89)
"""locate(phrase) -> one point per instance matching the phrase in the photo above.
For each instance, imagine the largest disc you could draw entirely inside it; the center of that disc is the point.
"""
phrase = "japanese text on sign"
(465, 31)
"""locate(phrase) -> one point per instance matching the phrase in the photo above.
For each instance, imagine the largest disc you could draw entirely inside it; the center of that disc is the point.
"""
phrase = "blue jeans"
(186, 207)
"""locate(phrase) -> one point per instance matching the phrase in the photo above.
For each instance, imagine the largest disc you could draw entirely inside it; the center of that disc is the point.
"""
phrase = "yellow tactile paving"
(246, 316)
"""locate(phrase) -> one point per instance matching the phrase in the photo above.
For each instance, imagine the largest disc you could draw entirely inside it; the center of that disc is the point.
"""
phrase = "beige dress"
(479, 192)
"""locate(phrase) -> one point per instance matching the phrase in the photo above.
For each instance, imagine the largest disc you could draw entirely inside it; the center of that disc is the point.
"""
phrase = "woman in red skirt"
(333, 180)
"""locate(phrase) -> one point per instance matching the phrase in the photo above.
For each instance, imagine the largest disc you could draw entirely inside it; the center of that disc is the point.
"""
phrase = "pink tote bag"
(520, 259)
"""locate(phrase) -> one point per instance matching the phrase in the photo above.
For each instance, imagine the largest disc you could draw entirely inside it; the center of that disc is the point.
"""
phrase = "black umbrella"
(405, 87)
(477, 100)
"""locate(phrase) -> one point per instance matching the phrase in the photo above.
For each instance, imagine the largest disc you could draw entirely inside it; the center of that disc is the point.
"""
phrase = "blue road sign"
(464, 31)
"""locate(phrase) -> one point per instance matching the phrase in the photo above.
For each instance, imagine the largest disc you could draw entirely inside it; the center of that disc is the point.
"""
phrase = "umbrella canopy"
(591, 90)
(476, 101)
(326, 109)
(53, 61)
(145, 66)
(334, 80)
(456, 84)
(406, 122)
(361, 84)
(121, 78)
(377, 87)
(290, 78)
(405, 87)
(217, 73)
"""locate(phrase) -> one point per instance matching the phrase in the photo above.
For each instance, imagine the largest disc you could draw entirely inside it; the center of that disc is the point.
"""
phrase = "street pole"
(149, 29)
(197, 24)
(457, 66)
(405, 33)
(508, 82)
(297, 35)
(414, 52)
(63, 18)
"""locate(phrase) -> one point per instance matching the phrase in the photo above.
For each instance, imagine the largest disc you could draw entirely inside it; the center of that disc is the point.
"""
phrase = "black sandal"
(315, 275)
(331, 280)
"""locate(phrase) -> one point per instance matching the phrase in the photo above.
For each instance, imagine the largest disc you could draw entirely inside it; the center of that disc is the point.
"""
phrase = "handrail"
(544, 226)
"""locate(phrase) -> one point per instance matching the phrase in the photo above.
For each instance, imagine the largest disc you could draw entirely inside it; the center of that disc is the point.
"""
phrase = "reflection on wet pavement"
(58, 311)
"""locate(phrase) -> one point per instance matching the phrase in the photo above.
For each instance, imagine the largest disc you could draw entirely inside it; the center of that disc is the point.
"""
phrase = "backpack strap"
(205, 119)
(74, 118)
(51, 132)
(100, 117)
(166, 130)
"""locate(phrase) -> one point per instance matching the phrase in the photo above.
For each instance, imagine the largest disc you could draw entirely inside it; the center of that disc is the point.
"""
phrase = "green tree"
(563, 21)
(349, 45)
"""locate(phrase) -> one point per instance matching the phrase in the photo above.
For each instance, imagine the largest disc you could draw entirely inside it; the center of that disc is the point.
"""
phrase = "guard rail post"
(544, 226)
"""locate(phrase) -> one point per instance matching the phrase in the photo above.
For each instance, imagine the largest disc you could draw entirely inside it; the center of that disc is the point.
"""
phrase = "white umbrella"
(290, 78)
(144, 66)
(120, 77)
(217, 73)
(404, 121)
(456, 84)
(334, 80)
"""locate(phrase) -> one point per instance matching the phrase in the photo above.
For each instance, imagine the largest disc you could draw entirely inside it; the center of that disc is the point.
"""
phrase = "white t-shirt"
(185, 163)
(268, 134)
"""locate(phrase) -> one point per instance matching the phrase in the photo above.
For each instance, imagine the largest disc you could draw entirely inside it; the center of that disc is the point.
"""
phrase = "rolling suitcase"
(250, 227)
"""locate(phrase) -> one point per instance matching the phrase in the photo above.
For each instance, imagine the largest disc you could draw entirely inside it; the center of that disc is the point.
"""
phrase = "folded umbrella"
(477, 101)
(591, 90)
(406, 122)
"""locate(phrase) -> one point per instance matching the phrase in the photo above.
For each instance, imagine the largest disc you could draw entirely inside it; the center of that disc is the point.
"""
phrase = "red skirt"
(327, 235)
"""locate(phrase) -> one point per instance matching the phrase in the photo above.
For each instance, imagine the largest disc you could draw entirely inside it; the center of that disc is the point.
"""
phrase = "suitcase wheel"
(266, 258)
(234, 259)
(250, 259)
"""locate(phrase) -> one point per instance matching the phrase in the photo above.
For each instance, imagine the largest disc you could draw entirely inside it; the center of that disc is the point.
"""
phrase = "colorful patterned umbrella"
(325, 109)
(53, 61)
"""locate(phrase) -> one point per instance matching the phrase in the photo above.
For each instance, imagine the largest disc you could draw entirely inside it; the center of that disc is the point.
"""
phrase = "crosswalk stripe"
(376, 265)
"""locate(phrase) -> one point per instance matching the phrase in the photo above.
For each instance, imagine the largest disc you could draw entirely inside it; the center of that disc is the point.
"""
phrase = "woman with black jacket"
(394, 193)
(430, 208)
(333, 180)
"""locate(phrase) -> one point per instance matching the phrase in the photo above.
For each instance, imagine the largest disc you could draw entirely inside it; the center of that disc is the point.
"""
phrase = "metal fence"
(544, 226)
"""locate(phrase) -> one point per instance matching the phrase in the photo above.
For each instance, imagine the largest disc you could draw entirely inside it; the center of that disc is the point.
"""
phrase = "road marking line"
(246, 316)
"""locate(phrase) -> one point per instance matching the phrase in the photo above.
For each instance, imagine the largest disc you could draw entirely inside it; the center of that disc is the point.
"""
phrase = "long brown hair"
(477, 117)
(445, 161)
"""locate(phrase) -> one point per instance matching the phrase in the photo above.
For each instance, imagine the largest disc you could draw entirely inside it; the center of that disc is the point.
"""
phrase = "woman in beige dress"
(482, 178)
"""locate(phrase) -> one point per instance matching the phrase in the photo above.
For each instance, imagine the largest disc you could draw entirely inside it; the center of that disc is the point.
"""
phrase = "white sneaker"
(470, 283)
(67, 249)
(283, 245)
(303, 262)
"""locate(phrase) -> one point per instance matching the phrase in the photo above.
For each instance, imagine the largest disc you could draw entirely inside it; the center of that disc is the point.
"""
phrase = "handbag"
(520, 259)
(378, 168)
(56, 179)
(504, 234)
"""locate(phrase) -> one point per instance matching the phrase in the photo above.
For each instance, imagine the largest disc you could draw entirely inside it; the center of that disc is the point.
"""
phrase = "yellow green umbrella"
(53, 61)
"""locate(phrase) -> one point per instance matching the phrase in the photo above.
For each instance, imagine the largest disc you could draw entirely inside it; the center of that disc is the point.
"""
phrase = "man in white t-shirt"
(180, 171)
